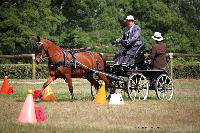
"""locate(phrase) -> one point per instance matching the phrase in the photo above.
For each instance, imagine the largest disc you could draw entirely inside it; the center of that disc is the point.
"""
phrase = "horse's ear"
(34, 37)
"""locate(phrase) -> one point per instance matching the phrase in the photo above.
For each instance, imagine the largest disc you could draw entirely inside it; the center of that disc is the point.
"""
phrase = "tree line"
(95, 23)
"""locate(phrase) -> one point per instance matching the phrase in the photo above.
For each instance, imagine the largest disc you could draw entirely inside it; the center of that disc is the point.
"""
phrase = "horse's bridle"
(39, 52)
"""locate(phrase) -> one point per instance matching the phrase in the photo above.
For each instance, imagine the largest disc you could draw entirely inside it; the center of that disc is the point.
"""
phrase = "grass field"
(182, 114)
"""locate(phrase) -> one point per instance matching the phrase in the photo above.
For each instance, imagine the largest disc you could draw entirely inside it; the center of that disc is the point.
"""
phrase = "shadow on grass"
(60, 96)
(152, 98)
(19, 97)
(65, 96)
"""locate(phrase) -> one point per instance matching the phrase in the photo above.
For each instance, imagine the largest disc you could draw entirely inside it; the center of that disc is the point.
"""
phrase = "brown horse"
(68, 64)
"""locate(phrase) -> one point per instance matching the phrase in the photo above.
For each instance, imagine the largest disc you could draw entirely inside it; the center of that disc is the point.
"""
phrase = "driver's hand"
(125, 42)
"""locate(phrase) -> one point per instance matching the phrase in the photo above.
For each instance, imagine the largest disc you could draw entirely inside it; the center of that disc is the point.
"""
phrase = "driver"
(131, 42)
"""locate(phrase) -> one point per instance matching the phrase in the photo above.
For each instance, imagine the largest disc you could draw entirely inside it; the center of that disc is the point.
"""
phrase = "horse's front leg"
(69, 81)
(49, 80)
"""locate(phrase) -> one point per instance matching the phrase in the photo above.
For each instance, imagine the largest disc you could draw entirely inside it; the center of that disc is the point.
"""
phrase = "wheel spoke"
(133, 83)
(139, 80)
(162, 80)
(136, 81)
(170, 82)
(145, 82)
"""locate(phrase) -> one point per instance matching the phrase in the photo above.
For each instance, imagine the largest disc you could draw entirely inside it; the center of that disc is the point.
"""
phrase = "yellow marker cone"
(48, 94)
(101, 95)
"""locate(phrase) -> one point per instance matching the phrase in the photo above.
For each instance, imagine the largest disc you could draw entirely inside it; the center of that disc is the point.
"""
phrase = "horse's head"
(39, 49)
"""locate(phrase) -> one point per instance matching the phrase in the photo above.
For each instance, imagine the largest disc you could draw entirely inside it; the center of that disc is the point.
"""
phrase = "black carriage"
(138, 79)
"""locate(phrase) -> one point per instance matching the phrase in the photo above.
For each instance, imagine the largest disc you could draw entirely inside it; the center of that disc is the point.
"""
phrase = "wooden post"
(33, 67)
(171, 65)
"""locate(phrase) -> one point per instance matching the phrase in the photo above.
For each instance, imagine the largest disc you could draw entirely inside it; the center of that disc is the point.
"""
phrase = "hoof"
(73, 99)
(38, 100)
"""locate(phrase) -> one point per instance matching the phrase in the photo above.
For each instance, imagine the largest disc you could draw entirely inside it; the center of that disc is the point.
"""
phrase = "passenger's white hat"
(157, 36)
(129, 17)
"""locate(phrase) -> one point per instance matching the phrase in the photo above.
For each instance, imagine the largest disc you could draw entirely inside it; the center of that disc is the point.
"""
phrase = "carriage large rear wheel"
(138, 87)
(164, 87)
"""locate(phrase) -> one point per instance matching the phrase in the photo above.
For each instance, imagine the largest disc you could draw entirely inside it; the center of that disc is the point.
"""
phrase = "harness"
(65, 62)
(71, 63)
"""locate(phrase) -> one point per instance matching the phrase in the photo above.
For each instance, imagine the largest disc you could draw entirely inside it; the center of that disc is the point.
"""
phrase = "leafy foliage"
(20, 20)
(86, 23)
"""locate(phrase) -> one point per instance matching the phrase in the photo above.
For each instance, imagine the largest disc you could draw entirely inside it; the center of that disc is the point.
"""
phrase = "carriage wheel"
(94, 90)
(164, 87)
(138, 87)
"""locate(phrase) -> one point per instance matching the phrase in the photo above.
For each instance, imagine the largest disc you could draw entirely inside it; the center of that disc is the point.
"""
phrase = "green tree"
(157, 16)
(99, 20)
(189, 9)
(22, 19)
(83, 23)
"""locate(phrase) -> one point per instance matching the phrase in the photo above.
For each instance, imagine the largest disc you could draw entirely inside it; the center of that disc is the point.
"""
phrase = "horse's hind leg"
(69, 81)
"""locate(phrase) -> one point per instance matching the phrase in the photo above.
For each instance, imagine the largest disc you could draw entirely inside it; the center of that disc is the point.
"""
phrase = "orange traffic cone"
(48, 94)
(101, 95)
(5, 86)
(27, 114)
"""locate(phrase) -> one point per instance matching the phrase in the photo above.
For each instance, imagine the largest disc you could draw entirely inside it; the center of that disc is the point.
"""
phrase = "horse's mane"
(50, 42)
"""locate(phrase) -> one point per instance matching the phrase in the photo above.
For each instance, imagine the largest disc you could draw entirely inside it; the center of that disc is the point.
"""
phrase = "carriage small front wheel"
(138, 86)
(94, 90)
(164, 87)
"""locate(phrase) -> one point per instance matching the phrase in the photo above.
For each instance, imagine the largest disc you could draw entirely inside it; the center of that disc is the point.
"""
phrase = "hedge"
(24, 71)
(187, 71)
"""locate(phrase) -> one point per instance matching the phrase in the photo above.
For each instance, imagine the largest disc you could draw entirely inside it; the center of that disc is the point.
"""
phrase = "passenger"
(131, 42)
(158, 52)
